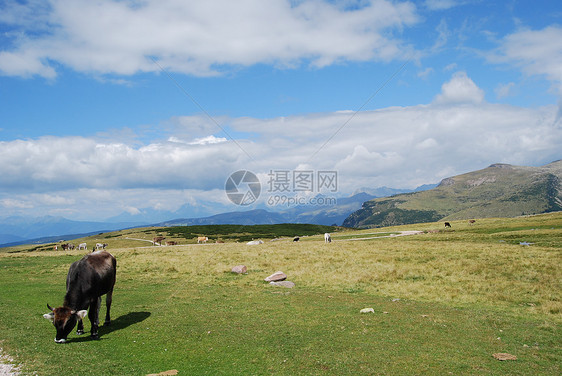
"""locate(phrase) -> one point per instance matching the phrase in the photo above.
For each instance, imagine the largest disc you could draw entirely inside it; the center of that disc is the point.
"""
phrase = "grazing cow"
(171, 243)
(471, 221)
(158, 240)
(64, 246)
(83, 246)
(296, 239)
(447, 224)
(327, 238)
(101, 246)
(202, 239)
(87, 280)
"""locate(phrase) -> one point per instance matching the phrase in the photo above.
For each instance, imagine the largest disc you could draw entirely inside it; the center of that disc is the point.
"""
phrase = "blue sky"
(121, 106)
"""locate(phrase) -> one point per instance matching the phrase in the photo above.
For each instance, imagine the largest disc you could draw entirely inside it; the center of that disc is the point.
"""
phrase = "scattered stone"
(504, 356)
(276, 277)
(396, 300)
(525, 243)
(367, 310)
(239, 269)
(255, 242)
(287, 284)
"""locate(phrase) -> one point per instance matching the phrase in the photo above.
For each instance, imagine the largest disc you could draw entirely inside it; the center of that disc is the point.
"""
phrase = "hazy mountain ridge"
(500, 190)
(17, 229)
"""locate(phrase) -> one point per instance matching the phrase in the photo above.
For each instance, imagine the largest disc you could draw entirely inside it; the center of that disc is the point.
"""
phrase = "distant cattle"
(202, 239)
(83, 246)
(158, 240)
(171, 243)
(327, 238)
(64, 246)
(471, 221)
(101, 246)
(447, 224)
(296, 239)
(87, 280)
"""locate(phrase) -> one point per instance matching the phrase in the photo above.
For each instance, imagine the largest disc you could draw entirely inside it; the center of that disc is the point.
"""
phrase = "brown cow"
(158, 240)
(447, 224)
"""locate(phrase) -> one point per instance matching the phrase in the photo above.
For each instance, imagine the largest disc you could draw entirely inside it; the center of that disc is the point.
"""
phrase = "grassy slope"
(505, 191)
(463, 294)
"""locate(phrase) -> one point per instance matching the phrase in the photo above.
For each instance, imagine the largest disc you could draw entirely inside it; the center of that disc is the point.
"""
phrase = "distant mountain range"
(501, 190)
(20, 230)
(319, 214)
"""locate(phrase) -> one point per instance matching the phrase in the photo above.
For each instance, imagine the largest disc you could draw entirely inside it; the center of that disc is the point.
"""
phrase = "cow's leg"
(108, 299)
(80, 329)
(93, 315)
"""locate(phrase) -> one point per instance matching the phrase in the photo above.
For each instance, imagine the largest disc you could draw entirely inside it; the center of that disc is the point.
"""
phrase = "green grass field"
(444, 302)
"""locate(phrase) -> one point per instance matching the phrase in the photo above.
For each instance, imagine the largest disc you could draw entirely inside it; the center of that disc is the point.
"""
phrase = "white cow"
(202, 239)
(82, 246)
(327, 238)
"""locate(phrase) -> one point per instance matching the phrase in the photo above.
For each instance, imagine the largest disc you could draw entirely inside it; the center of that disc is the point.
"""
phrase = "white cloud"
(425, 73)
(460, 89)
(383, 144)
(535, 52)
(58, 162)
(208, 140)
(504, 90)
(10, 203)
(201, 38)
(395, 146)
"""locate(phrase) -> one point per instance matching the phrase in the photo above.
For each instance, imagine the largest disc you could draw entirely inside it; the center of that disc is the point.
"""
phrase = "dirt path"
(402, 233)
(141, 240)
(7, 369)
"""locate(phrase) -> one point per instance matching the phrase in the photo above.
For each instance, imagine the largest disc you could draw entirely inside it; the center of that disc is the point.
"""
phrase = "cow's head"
(64, 319)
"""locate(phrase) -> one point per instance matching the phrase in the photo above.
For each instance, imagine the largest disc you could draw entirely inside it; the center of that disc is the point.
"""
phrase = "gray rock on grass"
(239, 269)
(276, 277)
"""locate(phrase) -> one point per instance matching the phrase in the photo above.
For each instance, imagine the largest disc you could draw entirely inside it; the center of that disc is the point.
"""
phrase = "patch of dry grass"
(455, 268)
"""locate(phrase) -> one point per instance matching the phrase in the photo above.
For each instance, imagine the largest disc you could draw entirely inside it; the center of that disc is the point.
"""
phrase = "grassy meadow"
(444, 302)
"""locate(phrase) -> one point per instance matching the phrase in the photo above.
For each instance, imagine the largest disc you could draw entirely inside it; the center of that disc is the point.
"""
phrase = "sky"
(110, 107)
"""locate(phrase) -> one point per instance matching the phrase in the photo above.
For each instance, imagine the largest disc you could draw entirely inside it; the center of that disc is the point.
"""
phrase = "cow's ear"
(49, 316)
(81, 314)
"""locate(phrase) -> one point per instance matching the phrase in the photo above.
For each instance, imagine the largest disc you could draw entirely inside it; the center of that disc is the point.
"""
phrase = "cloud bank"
(196, 37)
(397, 146)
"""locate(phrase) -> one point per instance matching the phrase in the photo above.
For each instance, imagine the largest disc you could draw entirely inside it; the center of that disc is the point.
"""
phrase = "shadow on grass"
(119, 323)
